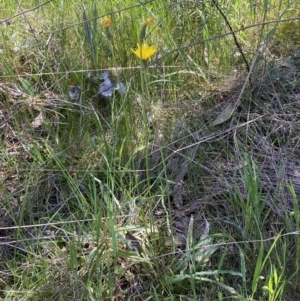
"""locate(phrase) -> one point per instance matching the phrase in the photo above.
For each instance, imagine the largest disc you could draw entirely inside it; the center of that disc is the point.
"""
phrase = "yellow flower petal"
(106, 22)
(144, 51)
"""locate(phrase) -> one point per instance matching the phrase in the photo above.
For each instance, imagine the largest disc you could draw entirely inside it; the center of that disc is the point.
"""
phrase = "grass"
(183, 188)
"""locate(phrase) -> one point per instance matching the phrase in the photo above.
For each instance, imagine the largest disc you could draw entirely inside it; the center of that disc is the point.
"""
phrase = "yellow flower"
(144, 51)
(106, 22)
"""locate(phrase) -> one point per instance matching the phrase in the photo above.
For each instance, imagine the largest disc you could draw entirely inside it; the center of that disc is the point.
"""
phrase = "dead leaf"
(38, 120)
(225, 114)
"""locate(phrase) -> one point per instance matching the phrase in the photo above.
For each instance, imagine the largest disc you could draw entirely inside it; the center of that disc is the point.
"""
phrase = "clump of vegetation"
(149, 151)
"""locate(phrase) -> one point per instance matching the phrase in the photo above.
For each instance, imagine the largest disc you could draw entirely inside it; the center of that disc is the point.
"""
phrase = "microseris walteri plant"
(144, 51)
(107, 23)
(144, 28)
